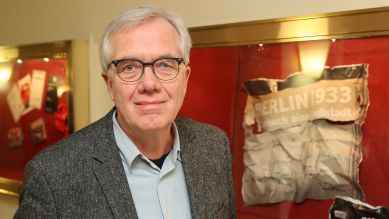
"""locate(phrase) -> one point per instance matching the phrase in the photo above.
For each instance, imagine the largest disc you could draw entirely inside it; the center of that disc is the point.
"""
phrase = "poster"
(24, 85)
(15, 103)
(15, 137)
(37, 88)
(38, 131)
(52, 94)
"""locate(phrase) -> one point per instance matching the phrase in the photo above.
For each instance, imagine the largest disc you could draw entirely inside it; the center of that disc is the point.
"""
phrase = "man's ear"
(187, 74)
(108, 83)
(187, 71)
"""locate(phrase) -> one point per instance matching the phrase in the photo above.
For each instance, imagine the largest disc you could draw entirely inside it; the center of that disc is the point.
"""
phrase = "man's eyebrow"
(127, 57)
(166, 55)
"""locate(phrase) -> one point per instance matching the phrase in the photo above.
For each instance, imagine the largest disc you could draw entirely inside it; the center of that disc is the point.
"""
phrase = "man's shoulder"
(78, 144)
(198, 128)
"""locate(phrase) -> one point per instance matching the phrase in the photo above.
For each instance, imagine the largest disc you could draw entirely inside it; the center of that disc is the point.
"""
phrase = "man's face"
(148, 104)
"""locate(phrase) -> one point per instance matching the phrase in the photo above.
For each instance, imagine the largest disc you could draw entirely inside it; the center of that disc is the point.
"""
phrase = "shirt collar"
(129, 150)
(176, 144)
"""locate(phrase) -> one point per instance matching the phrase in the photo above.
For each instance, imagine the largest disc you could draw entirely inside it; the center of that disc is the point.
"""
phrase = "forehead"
(150, 36)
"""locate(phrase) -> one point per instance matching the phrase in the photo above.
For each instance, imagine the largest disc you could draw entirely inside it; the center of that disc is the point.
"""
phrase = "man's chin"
(154, 124)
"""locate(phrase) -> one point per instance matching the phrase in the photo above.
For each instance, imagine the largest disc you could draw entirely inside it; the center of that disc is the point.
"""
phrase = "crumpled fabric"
(318, 159)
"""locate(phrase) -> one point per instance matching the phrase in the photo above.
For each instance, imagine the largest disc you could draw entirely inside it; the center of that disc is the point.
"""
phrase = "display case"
(35, 105)
(225, 57)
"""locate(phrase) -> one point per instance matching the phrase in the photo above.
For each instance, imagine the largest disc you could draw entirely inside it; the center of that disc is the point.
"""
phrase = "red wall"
(215, 95)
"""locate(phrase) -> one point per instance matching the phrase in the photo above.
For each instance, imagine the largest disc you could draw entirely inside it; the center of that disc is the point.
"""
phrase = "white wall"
(27, 22)
(8, 206)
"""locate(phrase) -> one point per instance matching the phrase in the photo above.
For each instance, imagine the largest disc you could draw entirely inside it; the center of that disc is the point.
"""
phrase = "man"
(139, 161)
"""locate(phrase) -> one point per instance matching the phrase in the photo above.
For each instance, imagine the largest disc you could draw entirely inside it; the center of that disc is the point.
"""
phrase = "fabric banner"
(303, 135)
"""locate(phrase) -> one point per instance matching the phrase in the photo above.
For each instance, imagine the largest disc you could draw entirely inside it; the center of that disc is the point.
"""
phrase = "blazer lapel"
(192, 160)
(109, 171)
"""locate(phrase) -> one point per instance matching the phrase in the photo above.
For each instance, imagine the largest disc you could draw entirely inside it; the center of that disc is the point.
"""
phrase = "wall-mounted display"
(226, 56)
(34, 90)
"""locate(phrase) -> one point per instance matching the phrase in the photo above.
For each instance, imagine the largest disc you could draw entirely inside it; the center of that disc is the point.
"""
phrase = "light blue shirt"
(157, 193)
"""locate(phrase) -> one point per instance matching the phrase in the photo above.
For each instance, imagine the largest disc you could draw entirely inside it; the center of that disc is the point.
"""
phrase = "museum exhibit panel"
(303, 102)
(35, 105)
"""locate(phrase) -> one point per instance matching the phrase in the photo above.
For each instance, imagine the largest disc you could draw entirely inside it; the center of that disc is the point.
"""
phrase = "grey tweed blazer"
(82, 176)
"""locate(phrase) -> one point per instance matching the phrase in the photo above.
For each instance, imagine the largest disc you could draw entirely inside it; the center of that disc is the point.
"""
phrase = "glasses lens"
(129, 70)
(166, 69)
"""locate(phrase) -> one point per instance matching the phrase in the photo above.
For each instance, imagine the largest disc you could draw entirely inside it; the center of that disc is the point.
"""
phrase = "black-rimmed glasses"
(131, 70)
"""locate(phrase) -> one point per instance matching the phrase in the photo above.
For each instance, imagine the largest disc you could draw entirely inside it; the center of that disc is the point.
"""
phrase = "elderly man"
(140, 160)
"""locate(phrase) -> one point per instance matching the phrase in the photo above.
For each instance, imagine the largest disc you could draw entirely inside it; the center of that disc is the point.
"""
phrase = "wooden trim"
(49, 50)
(350, 24)
(10, 187)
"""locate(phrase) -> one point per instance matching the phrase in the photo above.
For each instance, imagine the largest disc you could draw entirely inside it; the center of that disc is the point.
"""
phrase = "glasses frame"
(144, 64)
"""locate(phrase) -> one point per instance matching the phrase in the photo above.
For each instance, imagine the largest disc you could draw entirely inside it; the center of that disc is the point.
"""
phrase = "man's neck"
(153, 145)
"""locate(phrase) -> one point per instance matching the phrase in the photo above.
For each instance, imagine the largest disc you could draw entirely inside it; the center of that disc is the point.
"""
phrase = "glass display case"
(35, 105)
(224, 57)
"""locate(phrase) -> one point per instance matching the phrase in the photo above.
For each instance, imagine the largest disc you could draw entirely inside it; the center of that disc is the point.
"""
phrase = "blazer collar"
(108, 168)
(109, 171)
(192, 158)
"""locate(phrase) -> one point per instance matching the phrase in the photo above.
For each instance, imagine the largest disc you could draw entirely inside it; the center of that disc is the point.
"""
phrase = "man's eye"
(165, 65)
(128, 67)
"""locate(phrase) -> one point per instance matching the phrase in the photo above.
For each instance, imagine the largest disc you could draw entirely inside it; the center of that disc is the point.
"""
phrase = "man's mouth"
(150, 105)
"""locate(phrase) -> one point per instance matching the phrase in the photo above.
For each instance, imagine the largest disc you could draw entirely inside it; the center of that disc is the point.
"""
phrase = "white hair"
(135, 16)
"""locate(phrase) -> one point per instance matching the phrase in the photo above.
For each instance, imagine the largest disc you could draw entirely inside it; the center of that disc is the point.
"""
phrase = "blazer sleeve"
(36, 199)
(230, 178)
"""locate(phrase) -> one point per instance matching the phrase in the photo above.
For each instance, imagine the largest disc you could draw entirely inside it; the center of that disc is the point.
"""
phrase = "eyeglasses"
(131, 70)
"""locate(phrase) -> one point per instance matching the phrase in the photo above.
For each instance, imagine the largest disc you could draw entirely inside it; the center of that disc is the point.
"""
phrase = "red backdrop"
(215, 95)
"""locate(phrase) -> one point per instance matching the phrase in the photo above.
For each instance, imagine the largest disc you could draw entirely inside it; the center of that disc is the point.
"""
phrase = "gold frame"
(339, 25)
(10, 187)
(49, 50)
(62, 49)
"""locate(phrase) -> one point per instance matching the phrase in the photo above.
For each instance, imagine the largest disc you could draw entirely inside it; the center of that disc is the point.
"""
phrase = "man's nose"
(149, 81)
(148, 71)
